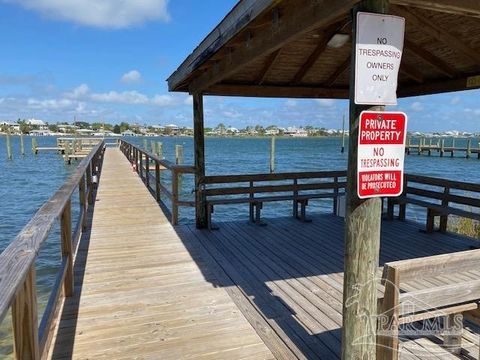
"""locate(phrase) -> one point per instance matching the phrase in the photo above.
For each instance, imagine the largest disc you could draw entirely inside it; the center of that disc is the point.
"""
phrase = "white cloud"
(131, 77)
(100, 13)
(49, 104)
(125, 97)
(291, 103)
(416, 106)
(455, 100)
(164, 100)
(79, 92)
(325, 102)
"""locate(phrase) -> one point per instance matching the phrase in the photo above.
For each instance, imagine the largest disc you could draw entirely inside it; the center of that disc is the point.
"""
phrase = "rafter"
(339, 71)
(457, 7)
(412, 72)
(268, 66)
(433, 60)
(280, 91)
(319, 49)
(304, 19)
(464, 83)
(438, 33)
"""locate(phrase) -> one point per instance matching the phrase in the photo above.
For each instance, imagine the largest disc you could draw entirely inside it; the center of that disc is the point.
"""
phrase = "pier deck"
(146, 289)
(139, 292)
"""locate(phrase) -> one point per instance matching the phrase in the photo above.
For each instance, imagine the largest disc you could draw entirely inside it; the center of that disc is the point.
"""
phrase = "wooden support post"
(89, 184)
(140, 165)
(67, 247)
(83, 201)
(157, 181)
(469, 148)
(444, 218)
(147, 170)
(22, 145)
(174, 197)
(442, 147)
(159, 150)
(420, 147)
(362, 234)
(199, 159)
(9, 147)
(145, 144)
(452, 340)
(152, 147)
(25, 320)
(343, 135)
(453, 147)
(272, 155)
(178, 154)
(387, 340)
(34, 146)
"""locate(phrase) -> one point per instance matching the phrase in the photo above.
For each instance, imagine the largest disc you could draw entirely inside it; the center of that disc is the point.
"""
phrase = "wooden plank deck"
(291, 274)
(139, 293)
(145, 289)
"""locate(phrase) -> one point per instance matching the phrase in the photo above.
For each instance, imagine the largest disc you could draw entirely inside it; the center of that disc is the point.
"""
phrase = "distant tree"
(82, 124)
(220, 128)
(117, 129)
(124, 126)
(259, 129)
(53, 128)
(24, 127)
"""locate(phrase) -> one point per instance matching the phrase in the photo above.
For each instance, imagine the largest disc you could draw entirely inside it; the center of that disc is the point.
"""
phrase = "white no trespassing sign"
(379, 46)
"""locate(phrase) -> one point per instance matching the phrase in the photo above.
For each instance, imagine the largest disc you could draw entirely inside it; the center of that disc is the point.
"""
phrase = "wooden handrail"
(17, 261)
(141, 158)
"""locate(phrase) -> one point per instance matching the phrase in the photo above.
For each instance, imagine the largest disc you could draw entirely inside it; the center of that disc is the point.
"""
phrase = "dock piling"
(178, 154)
(469, 148)
(145, 144)
(343, 135)
(159, 150)
(22, 145)
(9, 147)
(34, 146)
(272, 155)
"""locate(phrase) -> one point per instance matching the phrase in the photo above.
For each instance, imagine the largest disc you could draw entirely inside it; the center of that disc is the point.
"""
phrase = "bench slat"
(433, 298)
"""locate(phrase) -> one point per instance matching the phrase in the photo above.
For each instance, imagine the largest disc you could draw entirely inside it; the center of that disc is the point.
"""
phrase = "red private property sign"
(381, 153)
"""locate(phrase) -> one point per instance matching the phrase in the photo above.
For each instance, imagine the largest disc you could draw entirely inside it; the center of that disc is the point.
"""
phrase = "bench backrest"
(294, 183)
(399, 272)
(446, 193)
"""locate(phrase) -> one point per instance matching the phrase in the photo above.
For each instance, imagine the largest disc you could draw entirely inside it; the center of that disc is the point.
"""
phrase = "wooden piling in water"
(178, 154)
(22, 145)
(159, 150)
(272, 155)
(145, 144)
(9, 147)
(34, 146)
(469, 148)
(343, 135)
(453, 147)
(152, 147)
(442, 147)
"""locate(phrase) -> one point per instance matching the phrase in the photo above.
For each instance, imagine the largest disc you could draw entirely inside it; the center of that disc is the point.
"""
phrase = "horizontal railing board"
(20, 254)
(272, 188)
(218, 179)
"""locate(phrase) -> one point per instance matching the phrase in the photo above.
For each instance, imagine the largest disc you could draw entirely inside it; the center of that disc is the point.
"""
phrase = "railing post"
(83, 202)
(335, 195)
(174, 197)
(147, 170)
(295, 195)
(444, 218)
(25, 320)
(89, 183)
(67, 247)
(157, 181)
(140, 166)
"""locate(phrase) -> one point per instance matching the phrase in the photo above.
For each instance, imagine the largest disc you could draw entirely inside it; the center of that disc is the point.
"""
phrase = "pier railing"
(17, 261)
(149, 167)
(256, 189)
(440, 197)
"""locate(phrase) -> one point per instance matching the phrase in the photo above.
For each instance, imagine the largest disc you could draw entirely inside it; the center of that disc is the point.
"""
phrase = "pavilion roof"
(278, 48)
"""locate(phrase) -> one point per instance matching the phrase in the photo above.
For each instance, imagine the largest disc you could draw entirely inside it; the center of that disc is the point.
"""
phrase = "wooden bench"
(415, 195)
(451, 301)
(295, 192)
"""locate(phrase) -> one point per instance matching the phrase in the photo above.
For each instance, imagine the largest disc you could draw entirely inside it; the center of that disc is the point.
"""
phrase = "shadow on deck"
(287, 279)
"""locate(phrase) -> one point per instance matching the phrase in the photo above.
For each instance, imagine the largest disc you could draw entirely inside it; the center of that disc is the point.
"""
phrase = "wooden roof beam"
(304, 19)
(433, 60)
(319, 49)
(339, 71)
(268, 66)
(460, 84)
(457, 7)
(412, 72)
(281, 91)
(438, 33)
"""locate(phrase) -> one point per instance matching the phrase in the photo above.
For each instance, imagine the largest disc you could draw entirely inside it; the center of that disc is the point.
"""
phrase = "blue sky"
(106, 60)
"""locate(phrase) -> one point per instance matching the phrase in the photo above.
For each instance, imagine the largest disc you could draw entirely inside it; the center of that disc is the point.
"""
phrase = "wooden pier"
(442, 149)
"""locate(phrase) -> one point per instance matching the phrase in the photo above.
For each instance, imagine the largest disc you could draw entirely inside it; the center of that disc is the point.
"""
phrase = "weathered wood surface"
(139, 293)
(288, 278)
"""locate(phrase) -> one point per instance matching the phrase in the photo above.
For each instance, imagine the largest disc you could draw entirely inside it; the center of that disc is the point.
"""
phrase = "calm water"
(29, 180)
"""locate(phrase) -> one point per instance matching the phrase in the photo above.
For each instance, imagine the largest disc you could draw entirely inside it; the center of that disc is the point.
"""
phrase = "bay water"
(27, 181)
